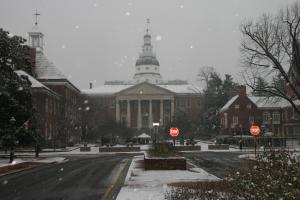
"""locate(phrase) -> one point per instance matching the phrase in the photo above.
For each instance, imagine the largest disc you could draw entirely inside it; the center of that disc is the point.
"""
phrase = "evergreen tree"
(217, 93)
(15, 96)
(260, 86)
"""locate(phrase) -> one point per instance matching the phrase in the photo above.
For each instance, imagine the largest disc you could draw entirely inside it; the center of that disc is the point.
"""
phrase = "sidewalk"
(151, 184)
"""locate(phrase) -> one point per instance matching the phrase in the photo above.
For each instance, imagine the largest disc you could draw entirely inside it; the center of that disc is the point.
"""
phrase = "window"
(249, 106)
(223, 121)
(296, 131)
(237, 106)
(295, 114)
(276, 118)
(46, 105)
(251, 120)
(235, 120)
(266, 117)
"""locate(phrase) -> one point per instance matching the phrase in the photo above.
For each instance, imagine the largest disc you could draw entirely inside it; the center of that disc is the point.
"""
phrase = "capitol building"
(144, 100)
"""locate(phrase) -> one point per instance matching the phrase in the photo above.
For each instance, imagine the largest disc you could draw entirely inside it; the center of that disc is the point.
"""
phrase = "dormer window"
(249, 106)
(236, 106)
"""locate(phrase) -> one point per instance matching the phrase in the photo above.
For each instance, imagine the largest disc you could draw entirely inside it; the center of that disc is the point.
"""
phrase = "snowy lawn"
(147, 185)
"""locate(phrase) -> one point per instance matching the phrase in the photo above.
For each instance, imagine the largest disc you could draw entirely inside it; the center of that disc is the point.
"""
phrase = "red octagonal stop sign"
(174, 132)
(254, 130)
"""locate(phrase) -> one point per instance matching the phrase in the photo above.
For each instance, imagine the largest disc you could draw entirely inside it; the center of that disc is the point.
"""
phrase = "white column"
(118, 111)
(128, 118)
(139, 115)
(161, 112)
(172, 109)
(150, 114)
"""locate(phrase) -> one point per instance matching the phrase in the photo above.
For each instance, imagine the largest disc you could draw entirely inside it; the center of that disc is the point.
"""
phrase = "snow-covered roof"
(34, 83)
(182, 88)
(269, 102)
(45, 69)
(228, 104)
(112, 89)
(144, 135)
(106, 89)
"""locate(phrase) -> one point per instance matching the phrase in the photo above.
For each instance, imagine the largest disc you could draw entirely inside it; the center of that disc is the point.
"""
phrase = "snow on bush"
(274, 175)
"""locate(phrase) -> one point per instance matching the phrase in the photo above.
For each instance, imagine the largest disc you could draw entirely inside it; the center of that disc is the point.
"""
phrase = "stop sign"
(174, 132)
(254, 130)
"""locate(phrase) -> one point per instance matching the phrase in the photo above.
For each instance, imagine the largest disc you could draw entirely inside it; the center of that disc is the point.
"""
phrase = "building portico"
(141, 105)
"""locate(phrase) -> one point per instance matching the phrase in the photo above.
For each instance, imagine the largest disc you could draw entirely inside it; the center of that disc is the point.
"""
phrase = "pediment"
(145, 88)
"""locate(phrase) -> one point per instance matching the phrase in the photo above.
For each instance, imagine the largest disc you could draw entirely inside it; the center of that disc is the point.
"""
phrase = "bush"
(272, 176)
(162, 150)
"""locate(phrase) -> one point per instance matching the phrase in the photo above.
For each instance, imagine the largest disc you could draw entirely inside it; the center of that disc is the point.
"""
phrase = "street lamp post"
(12, 145)
(155, 125)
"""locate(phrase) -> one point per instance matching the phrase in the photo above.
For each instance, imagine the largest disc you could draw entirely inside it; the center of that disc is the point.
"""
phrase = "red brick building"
(56, 99)
(272, 114)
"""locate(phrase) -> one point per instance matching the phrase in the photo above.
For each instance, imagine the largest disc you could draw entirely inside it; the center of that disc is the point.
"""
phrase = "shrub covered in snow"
(274, 175)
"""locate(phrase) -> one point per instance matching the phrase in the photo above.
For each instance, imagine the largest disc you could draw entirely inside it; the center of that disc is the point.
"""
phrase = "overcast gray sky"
(98, 40)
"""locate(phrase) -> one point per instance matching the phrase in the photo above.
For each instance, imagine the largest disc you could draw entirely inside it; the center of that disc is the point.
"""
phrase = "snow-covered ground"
(5, 162)
(151, 184)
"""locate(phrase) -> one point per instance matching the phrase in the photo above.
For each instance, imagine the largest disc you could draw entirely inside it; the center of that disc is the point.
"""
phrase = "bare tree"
(204, 74)
(270, 49)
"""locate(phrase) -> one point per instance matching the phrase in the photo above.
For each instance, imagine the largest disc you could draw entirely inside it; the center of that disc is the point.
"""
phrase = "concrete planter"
(119, 149)
(187, 148)
(218, 146)
(171, 163)
(85, 149)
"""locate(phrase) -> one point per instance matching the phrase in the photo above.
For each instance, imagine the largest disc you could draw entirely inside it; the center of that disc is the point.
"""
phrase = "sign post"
(255, 131)
(174, 132)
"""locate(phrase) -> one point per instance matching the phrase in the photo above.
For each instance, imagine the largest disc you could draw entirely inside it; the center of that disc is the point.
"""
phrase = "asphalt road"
(85, 178)
(217, 163)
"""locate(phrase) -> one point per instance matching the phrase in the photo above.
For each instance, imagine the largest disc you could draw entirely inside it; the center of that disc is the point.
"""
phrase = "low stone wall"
(119, 149)
(158, 163)
(218, 146)
(187, 148)
(85, 149)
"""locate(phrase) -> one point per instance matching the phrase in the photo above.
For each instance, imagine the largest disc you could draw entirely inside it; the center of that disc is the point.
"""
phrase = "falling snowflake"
(129, 4)
(95, 81)
(61, 169)
(236, 14)
(127, 14)
(77, 26)
(95, 5)
(63, 46)
(85, 101)
(60, 179)
(181, 6)
(20, 88)
(10, 35)
(158, 38)
(70, 77)
(5, 182)
(87, 108)
(191, 46)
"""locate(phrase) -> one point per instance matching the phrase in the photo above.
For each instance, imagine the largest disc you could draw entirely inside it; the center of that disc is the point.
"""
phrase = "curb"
(108, 193)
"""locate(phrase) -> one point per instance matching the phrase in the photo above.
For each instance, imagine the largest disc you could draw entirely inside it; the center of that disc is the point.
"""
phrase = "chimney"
(91, 85)
(241, 90)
